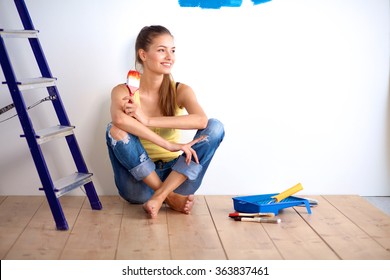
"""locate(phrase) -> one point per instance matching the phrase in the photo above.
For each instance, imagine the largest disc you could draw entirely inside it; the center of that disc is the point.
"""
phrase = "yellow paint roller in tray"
(286, 193)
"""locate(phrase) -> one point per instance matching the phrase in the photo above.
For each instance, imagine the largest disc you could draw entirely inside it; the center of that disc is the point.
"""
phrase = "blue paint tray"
(264, 203)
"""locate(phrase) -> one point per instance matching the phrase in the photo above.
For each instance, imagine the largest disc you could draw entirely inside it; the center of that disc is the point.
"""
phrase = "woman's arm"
(196, 118)
(128, 123)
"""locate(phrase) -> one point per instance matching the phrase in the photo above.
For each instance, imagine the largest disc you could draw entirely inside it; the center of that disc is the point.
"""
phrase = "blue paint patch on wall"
(216, 4)
(210, 4)
(188, 3)
(231, 3)
(255, 2)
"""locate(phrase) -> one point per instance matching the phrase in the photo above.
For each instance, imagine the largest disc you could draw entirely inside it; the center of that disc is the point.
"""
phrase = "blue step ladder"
(52, 189)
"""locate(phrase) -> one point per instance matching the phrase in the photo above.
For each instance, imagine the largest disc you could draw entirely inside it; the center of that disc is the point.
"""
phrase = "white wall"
(301, 86)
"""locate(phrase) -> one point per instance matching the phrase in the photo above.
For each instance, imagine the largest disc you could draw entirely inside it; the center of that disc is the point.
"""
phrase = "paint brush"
(239, 214)
(286, 193)
(133, 79)
(273, 220)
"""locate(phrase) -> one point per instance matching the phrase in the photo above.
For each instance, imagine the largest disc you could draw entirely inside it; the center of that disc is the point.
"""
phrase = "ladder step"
(36, 83)
(71, 182)
(50, 133)
(19, 33)
(27, 84)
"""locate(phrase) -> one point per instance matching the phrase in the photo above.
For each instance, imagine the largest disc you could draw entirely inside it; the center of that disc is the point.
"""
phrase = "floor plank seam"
(169, 234)
(368, 234)
(273, 243)
(358, 226)
(216, 230)
(120, 231)
(70, 230)
(4, 199)
(319, 235)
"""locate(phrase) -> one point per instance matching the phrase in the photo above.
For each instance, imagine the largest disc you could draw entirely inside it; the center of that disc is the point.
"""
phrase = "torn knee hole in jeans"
(125, 140)
(119, 135)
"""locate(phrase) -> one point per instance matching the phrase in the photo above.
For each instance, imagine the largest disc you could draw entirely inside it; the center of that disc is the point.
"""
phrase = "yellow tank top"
(154, 151)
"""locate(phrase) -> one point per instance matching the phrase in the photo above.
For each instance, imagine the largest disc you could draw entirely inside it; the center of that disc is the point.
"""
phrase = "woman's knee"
(215, 130)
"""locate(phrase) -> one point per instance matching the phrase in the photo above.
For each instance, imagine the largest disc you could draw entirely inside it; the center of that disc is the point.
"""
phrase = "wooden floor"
(341, 227)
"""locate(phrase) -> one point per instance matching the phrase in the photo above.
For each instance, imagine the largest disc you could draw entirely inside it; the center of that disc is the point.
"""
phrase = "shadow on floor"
(381, 202)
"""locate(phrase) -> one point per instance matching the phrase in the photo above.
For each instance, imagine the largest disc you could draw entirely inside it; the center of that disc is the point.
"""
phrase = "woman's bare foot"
(180, 203)
(152, 207)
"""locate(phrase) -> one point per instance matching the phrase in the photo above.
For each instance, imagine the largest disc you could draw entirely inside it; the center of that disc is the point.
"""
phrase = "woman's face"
(161, 55)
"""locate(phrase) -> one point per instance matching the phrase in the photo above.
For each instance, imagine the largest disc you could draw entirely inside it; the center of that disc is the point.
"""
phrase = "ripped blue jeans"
(131, 163)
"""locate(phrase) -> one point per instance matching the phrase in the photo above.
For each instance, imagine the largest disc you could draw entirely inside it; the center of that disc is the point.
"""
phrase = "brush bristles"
(134, 74)
(133, 80)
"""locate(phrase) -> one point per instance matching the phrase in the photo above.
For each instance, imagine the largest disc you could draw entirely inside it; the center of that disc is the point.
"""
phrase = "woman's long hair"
(167, 92)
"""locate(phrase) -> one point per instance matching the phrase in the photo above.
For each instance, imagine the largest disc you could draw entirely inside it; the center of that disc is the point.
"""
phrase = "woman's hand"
(187, 149)
(133, 110)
